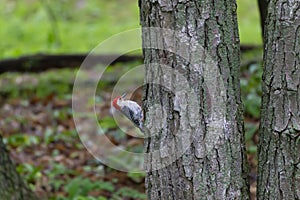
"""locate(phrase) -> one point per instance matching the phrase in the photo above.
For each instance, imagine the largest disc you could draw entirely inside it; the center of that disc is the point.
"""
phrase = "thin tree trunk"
(263, 8)
(12, 186)
(279, 146)
(196, 149)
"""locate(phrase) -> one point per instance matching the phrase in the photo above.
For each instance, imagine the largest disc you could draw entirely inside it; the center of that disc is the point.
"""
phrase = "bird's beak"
(123, 95)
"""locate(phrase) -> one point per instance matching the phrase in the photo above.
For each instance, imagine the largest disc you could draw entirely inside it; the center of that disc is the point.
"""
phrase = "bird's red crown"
(115, 102)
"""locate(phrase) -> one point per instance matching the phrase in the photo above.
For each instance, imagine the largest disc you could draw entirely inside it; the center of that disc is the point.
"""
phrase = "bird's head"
(117, 102)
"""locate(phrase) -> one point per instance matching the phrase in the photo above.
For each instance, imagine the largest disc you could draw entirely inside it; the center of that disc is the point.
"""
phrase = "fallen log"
(43, 62)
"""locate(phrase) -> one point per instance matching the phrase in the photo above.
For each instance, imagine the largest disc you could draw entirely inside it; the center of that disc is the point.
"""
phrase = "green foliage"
(249, 22)
(21, 140)
(251, 90)
(53, 26)
(58, 169)
(129, 193)
(251, 75)
(54, 172)
(250, 130)
(89, 198)
(252, 149)
(107, 123)
(79, 198)
(252, 105)
(81, 187)
(30, 172)
(66, 136)
(137, 177)
(56, 82)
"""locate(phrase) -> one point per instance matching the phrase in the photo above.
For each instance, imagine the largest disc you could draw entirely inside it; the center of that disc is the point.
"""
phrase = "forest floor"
(38, 128)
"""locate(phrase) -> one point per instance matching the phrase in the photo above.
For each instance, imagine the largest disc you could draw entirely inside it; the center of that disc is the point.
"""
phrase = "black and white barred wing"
(134, 113)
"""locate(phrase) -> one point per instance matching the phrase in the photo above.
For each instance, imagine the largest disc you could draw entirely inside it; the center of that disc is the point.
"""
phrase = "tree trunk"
(11, 185)
(193, 110)
(279, 146)
(263, 8)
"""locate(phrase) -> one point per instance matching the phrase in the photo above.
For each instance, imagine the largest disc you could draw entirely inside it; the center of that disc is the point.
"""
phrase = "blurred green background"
(36, 116)
(69, 26)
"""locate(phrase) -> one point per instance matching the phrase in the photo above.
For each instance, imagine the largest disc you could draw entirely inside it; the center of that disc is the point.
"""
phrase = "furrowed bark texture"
(279, 146)
(12, 186)
(213, 166)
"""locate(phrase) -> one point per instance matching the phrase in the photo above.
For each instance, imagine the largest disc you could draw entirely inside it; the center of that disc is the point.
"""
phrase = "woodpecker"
(130, 109)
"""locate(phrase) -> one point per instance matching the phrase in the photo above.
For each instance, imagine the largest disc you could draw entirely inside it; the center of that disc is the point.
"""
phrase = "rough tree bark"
(213, 166)
(279, 146)
(12, 186)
